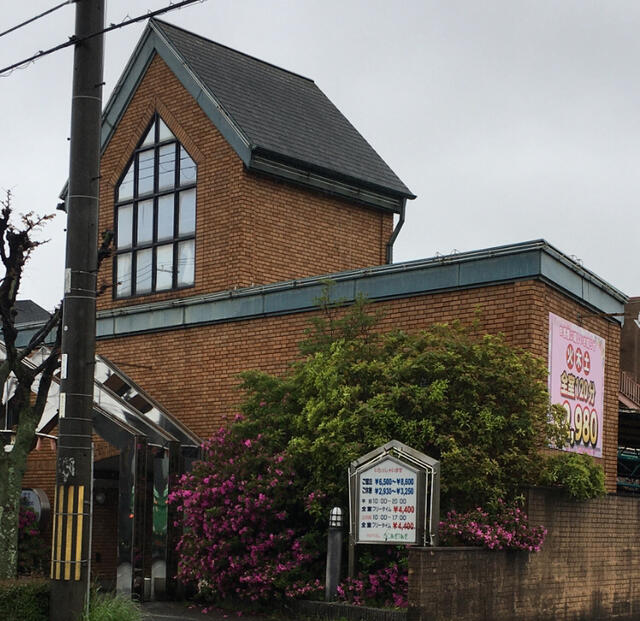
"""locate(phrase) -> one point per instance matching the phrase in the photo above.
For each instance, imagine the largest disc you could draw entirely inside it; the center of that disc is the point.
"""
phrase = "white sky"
(511, 120)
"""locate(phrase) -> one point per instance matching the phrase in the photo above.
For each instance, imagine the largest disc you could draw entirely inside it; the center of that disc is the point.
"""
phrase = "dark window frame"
(155, 195)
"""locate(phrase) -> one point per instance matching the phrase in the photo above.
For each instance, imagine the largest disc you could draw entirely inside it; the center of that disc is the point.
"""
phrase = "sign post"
(394, 498)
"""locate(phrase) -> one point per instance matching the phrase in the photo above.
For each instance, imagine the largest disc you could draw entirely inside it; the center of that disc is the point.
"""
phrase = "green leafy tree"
(467, 398)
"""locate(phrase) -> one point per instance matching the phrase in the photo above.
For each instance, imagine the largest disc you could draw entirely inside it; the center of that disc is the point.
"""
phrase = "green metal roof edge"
(536, 260)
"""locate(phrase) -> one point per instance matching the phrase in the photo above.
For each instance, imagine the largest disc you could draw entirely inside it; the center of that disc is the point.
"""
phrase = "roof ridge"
(231, 49)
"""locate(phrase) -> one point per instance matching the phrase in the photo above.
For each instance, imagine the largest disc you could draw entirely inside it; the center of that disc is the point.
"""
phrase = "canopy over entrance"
(152, 449)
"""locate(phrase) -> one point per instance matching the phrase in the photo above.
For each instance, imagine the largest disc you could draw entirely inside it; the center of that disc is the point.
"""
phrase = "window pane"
(123, 275)
(165, 132)
(145, 221)
(164, 267)
(150, 138)
(187, 212)
(186, 263)
(145, 171)
(143, 271)
(187, 168)
(125, 226)
(165, 216)
(167, 166)
(125, 189)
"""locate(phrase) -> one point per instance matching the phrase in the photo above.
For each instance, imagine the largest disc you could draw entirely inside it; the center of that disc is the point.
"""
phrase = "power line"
(73, 40)
(33, 19)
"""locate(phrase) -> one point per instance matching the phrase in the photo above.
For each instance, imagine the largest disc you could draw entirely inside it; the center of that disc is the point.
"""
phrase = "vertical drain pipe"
(396, 230)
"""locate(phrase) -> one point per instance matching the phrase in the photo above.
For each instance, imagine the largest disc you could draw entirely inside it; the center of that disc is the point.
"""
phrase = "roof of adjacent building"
(29, 312)
(279, 123)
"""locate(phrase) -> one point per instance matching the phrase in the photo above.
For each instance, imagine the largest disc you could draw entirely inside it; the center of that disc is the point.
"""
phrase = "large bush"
(244, 528)
(469, 399)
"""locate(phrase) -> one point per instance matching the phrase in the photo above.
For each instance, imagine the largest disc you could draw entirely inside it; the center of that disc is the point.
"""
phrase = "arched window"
(155, 217)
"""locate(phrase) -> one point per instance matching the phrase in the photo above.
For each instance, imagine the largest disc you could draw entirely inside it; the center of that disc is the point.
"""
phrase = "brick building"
(235, 188)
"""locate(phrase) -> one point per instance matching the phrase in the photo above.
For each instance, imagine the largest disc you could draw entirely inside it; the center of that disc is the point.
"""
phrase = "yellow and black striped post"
(71, 532)
(71, 517)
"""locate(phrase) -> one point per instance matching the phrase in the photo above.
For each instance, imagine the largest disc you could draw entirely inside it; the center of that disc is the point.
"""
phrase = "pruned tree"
(32, 366)
(26, 405)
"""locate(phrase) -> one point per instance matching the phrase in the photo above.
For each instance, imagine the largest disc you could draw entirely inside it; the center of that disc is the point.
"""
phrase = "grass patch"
(111, 607)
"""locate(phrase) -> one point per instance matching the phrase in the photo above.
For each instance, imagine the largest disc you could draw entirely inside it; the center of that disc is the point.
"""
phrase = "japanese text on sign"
(387, 509)
(576, 381)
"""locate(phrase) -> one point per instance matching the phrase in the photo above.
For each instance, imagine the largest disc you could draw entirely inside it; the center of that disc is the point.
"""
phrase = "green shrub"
(24, 600)
(469, 399)
(111, 607)
(578, 474)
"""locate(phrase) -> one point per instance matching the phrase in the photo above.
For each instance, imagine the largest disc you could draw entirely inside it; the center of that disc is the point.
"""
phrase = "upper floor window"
(155, 217)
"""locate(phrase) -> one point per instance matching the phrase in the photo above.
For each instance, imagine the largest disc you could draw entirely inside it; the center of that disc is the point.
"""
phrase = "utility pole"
(70, 554)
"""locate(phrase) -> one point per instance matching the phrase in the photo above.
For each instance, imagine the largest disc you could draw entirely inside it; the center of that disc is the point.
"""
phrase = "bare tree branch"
(41, 334)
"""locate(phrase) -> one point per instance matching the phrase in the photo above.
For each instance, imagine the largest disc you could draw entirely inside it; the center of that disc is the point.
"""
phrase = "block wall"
(250, 230)
(588, 569)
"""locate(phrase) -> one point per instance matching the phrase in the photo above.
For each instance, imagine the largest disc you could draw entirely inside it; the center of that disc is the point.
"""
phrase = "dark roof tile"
(27, 311)
(281, 112)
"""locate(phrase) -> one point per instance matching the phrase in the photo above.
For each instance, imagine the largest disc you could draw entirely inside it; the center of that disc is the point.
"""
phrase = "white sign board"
(387, 503)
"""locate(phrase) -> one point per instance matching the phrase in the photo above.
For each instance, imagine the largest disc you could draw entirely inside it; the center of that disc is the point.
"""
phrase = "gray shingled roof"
(282, 115)
(28, 311)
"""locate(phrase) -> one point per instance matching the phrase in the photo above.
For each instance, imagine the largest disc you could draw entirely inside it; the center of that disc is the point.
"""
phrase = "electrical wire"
(33, 19)
(8, 70)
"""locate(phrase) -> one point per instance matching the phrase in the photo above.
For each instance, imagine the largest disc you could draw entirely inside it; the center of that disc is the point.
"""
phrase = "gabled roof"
(278, 122)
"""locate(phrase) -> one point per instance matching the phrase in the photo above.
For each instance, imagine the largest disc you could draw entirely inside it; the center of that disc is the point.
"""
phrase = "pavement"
(179, 611)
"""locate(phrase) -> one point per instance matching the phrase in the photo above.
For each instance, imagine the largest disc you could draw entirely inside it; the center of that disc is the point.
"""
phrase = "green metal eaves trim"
(530, 260)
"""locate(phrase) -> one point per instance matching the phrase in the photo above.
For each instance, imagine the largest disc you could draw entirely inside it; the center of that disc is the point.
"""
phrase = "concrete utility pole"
(70, 554)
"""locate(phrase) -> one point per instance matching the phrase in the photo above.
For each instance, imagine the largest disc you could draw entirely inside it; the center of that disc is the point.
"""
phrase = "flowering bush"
(32, 549)
(241, 517)
(505, 529)
(387, 586)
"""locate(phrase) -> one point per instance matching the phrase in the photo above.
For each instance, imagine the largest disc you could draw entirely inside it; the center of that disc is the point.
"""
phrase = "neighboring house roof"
(29, 312)
(278, 122)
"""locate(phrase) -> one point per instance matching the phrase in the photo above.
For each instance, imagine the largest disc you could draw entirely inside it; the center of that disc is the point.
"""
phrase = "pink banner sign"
(576, 381)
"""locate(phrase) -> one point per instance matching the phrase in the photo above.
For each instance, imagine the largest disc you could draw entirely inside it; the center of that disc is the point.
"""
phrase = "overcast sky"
(511, 120)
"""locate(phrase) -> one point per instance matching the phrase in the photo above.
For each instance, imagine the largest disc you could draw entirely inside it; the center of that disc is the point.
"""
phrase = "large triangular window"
(155, 217)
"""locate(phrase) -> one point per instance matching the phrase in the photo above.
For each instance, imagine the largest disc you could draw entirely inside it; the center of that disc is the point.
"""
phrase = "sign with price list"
(388, 503)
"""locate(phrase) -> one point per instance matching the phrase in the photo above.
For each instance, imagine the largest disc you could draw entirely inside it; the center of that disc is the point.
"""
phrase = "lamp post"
(334, 554)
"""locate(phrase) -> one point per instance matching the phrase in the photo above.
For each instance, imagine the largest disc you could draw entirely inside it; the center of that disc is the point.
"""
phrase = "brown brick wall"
(194, 372)
(250, 230)
(588, 569)
(104, 550)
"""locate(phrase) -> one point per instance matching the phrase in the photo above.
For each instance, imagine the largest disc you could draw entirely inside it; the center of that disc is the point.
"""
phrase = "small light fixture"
(335, 517)
(101, 497)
